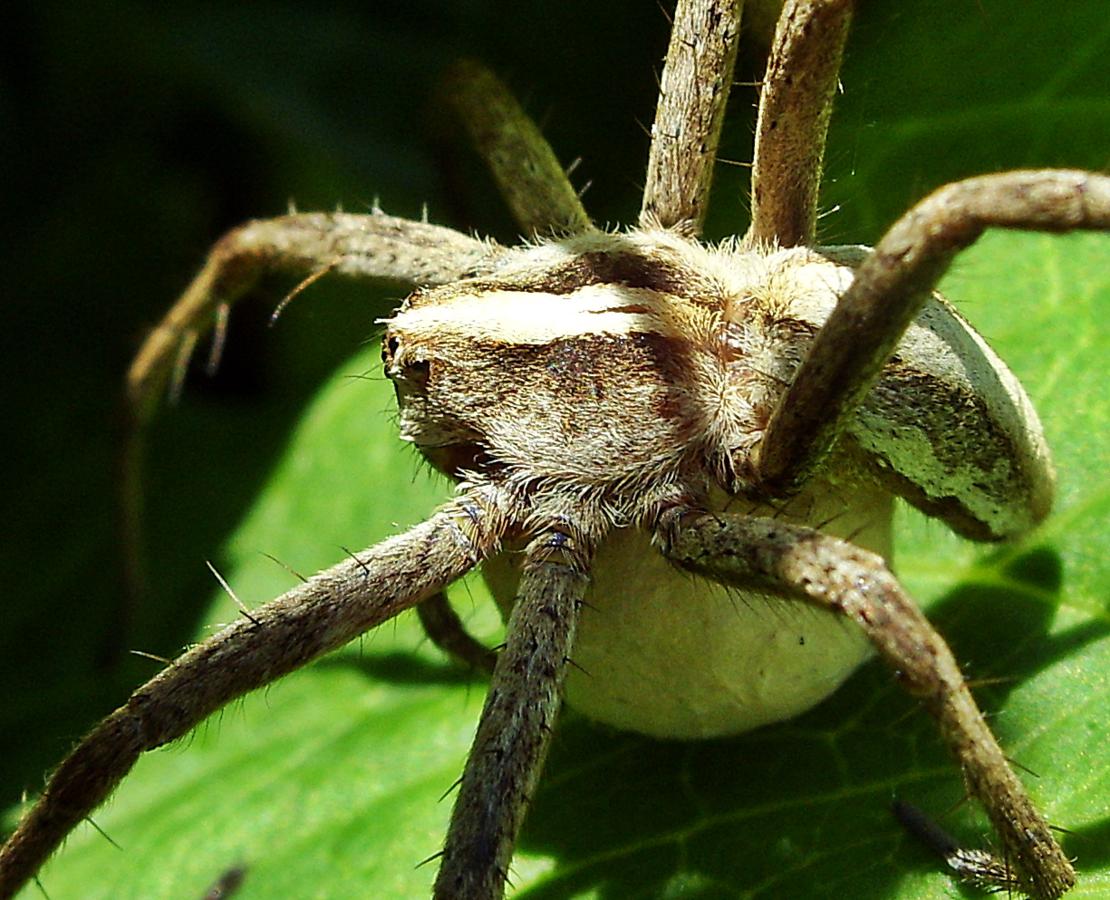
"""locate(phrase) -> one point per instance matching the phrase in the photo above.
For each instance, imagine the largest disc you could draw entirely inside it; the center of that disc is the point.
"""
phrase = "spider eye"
(390, 347)
(402, 367)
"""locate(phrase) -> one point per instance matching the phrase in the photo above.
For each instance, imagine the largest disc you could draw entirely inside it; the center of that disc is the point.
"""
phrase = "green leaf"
(328, 783)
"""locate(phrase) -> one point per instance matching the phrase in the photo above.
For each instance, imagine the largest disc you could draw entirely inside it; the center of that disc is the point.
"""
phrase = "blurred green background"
(133, 135)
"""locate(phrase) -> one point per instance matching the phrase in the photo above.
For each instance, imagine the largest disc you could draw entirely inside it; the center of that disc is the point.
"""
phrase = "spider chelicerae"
(603, 392)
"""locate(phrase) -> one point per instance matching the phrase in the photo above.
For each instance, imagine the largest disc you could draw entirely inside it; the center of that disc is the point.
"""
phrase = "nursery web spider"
(625, 410)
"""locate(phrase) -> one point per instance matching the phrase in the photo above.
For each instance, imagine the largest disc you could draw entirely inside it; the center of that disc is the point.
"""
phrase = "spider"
(615, 402)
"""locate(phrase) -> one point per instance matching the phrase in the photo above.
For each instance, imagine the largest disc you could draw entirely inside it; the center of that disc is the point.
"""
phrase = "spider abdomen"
(666, 653)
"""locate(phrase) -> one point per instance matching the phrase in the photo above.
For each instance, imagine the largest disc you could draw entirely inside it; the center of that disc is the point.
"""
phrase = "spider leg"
(524, 167)
(445, 629)
(517, 720)
(693, 92)
(795, 105)
(891, 286)
(363, 246)
(838, 576)
(319, 615)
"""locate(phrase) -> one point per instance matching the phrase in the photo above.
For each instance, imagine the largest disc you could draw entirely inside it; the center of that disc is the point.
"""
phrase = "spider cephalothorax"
(643, 427)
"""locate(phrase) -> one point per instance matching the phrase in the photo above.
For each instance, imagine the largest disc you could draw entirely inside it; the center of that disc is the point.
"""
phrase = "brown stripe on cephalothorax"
(638, 309)
(626, 268)
(634, 270)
